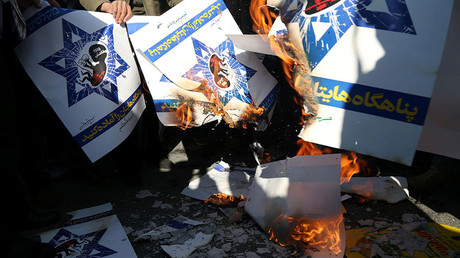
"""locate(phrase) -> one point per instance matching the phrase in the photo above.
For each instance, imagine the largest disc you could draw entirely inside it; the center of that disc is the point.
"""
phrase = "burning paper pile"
(297, 201)
(193, 70)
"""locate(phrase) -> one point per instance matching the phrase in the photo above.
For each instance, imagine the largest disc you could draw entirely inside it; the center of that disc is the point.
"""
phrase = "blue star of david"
(345, 15)
(87, 244)
(76, 89)
(201, 71)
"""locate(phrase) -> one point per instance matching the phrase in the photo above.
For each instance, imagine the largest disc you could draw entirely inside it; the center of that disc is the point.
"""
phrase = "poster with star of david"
(373, 69)
(91, 232)
(83, 65)
(188, 61)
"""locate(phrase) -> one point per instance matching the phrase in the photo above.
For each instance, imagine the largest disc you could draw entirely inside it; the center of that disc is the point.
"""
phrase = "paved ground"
(244, 239)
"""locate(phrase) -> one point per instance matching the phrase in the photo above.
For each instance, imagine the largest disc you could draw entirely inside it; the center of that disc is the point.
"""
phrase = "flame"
(184, 116)
(251, 114)
(350, 164)
(222, 199)
(305, 233)
(263, 19)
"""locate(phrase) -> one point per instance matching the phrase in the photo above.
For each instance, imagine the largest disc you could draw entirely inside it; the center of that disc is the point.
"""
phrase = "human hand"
(120, 9)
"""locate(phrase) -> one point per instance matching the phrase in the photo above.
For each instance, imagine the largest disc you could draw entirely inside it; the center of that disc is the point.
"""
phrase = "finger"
(129, 14)
(121, 11)
(116, 10)
(123, 8)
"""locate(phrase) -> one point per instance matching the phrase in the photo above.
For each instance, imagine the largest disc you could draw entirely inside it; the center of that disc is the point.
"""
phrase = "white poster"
(92, 232)
(441, 132)
(83, 65)
(189, 62)
(373, 68)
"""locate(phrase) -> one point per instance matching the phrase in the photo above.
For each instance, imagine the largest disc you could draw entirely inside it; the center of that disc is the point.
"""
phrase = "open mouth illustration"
(315, 6)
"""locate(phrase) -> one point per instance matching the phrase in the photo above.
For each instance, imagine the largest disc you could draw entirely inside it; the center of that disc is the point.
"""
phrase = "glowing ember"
(221, 199)
(307, 233)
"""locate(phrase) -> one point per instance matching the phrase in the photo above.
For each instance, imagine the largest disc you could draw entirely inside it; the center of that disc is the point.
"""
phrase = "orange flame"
(251, 114)
(222, 199)
(350, 163)
(184, 116)
(304, 233)
(263, 19)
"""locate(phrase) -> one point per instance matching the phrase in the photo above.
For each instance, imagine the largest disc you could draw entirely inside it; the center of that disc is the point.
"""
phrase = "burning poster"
(297, 201)
(83, 65)
(92, 232)
(193, 70)
(373, 67)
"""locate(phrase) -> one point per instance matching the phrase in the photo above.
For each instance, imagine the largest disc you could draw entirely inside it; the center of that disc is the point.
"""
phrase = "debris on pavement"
(144, 194)
(189, 246)
(414, 238)
(166, 231)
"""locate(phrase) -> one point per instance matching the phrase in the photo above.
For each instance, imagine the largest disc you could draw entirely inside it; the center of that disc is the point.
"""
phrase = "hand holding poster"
(83, 65)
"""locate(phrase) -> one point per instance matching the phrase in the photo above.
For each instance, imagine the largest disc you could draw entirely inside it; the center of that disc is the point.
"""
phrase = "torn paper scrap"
(179, 223)
(92, 232)
(187, 248)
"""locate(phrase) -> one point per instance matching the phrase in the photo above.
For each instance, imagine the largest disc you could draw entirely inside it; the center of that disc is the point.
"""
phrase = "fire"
(222, 199)
(252, 113)
(307, 233)
(184, 115)
(263, 18)
(350, 163)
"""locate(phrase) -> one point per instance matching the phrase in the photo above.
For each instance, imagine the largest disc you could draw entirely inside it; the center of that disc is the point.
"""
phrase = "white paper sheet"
(441, 132)
(83, 65)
